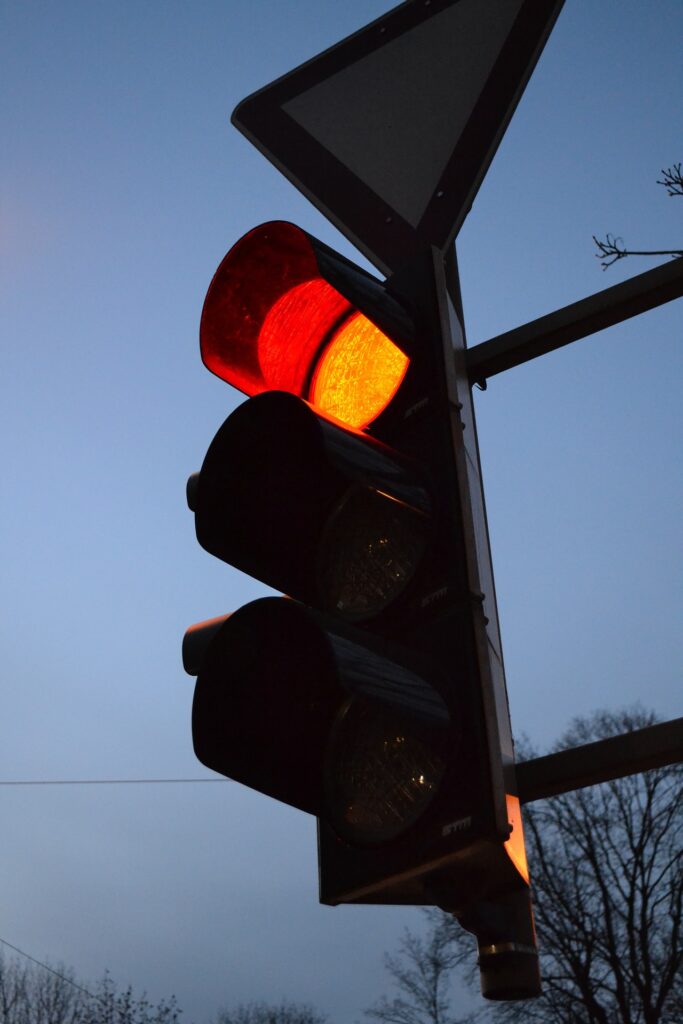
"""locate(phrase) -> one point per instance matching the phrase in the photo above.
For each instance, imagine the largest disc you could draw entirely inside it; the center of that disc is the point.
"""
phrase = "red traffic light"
(349, 481)
(273, 321)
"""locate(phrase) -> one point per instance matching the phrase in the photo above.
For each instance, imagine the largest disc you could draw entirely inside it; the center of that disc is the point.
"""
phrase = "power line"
(98, 782)
(62, 977)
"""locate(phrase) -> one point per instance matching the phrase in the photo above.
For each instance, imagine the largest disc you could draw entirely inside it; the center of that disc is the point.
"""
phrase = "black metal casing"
(271, 479)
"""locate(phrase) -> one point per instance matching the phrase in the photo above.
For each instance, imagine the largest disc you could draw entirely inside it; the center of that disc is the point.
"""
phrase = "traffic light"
(371, 696)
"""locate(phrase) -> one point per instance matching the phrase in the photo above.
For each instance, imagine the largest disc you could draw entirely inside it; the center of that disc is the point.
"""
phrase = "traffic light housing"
(286, 313)
(373, 695)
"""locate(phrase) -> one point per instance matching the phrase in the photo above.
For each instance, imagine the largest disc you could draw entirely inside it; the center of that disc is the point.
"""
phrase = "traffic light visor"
(272, 321)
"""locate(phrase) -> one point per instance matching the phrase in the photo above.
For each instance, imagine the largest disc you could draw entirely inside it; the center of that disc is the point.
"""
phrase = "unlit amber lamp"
(515, 847)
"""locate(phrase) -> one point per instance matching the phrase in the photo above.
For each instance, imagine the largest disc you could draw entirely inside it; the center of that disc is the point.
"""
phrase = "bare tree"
(423, 973)
(607, 877)
(53, 998)
(108, 1005)
(613, 248)
(265, 1013)
(12, 992)
(608, 889)
(31, 994)
(35, 993)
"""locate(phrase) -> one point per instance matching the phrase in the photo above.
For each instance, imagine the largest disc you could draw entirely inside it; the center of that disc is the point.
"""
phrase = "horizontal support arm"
(604, 309)
(611, 758)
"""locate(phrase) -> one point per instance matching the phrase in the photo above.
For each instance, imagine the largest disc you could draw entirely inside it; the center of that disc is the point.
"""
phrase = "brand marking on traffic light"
(461, 825)
(436, 595)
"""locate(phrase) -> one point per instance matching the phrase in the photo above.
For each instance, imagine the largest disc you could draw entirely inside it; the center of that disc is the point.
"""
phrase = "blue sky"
(123, 185)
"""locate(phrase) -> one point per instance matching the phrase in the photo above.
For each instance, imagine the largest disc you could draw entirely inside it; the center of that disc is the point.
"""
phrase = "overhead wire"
(80, 782)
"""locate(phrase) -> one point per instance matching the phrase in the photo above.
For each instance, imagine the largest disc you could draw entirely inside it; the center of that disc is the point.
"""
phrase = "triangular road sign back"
(390, 132)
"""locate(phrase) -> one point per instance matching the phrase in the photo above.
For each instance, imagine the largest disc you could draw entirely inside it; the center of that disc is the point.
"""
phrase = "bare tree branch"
(613, 247)
(265, 1013)
(423, 972)
(672, 180)
(36, 993)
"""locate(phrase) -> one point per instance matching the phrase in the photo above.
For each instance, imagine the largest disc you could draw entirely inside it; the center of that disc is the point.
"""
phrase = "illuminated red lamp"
(273, 322)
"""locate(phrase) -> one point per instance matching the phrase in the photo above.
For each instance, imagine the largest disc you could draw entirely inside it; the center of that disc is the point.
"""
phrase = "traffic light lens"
(293, 332)
(358, 374)
(381, 777)
(370, 551)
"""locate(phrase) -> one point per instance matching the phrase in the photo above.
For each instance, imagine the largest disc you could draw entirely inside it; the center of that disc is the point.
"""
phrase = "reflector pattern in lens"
(358, 374)
(380, 776)
(370, 550)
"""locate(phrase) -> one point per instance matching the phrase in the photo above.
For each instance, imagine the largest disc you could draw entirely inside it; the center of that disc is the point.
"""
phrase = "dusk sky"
(123, 185)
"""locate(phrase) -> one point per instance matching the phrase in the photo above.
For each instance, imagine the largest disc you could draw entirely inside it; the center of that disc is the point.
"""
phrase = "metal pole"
(604, 309)
(611, 758)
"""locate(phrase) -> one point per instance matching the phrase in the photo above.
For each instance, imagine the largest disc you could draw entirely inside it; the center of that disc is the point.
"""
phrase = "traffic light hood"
(284, 312)
(303, 505)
